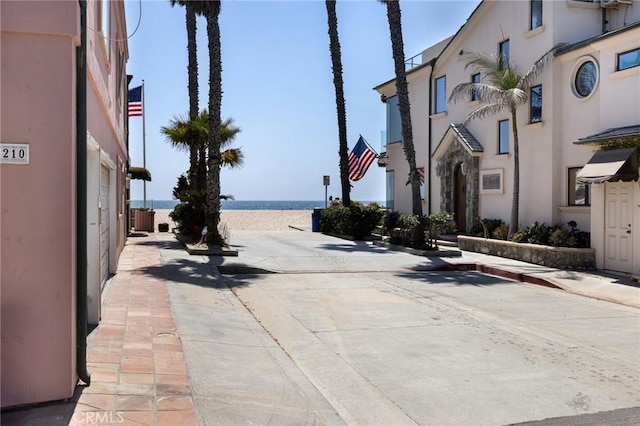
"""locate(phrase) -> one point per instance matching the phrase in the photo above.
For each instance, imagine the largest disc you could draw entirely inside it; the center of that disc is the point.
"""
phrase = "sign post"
(325, 181)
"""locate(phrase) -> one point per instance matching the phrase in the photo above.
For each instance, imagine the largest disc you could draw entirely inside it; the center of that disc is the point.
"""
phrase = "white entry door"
(618, 254)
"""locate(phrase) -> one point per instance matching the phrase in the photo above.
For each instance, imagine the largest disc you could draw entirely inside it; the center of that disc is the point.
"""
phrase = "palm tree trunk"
(215, 103)
(515, 204)
(397, 46)
(336, 61)
(193, 86)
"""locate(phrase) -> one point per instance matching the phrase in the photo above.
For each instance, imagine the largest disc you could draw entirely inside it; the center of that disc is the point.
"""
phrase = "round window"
(586, 78)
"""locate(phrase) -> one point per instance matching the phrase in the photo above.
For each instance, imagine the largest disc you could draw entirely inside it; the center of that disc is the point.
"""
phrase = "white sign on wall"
(14, 153)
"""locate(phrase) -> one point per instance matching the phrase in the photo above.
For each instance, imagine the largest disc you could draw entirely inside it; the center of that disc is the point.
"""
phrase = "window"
(394, 125)
(585, 79)
(441, 94)
(536, 14)
(535, 104)
(628, 60)
(421, 171)
(105, 18)
(504, 53)
(579, 193)
(475, 78)
(503, 137)
(390, 189)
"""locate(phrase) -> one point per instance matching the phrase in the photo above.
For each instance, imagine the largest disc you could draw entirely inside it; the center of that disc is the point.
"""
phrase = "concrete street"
(303, 328)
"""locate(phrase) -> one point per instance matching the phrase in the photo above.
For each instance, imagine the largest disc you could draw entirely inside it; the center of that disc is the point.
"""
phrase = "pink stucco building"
(41, 129)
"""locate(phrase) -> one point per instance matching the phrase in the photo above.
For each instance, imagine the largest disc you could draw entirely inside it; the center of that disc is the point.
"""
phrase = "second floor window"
(628, 59)
(475, 78)
(504, 53)
(535, 104)
(441, 94)
(536, 14)
(394, 124)
(503, 137)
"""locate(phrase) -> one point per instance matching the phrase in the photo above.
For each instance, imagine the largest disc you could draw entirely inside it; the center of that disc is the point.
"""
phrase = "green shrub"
(557, 235)
(439, 223)
(538, 234)
(501, 231)
(559, 238)
(413, 231)
(357, 220)
(190, 211)
(480, 224)
(390, 221)
(519, 236)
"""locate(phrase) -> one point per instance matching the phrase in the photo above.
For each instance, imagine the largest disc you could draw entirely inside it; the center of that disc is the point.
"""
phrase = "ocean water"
(243, 205)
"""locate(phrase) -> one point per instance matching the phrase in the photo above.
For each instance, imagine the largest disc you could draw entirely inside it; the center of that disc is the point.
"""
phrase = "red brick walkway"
(135, 358)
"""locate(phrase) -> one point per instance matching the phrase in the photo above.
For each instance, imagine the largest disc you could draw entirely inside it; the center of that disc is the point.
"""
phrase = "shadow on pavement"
(460, 277)
(355, 246)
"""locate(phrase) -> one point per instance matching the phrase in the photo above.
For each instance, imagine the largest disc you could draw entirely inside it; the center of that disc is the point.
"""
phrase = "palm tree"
(187, 134)
(211, 11)
(336, 60)
(191, 8)
(502, 87)
(397, 46)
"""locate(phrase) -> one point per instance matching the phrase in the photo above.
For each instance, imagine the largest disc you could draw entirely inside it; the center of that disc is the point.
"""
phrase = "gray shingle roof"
(465, 136)
(615, 133)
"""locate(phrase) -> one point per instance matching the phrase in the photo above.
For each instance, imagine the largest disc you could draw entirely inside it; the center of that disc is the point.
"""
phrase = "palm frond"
(232, 158)
(228, 131)
(485, 110)
(482, 62)
(529, 78)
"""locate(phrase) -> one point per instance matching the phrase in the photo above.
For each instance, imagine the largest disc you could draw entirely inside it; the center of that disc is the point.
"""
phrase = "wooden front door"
(618, 244)
(460, 199)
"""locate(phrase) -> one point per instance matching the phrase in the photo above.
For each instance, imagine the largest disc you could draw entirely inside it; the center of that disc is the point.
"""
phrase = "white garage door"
(104, 224)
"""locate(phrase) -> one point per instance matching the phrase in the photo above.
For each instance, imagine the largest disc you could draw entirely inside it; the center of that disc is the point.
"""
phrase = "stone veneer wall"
(555, 257)
(455, 155)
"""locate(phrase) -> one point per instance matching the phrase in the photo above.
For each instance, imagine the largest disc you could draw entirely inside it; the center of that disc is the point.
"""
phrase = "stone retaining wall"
(555, 257)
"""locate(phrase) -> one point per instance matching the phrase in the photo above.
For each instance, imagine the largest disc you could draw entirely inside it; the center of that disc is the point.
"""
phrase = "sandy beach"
(252, 220)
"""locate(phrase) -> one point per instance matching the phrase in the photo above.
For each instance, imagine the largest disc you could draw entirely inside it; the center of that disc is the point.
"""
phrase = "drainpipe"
(429, 131)
(81, 199)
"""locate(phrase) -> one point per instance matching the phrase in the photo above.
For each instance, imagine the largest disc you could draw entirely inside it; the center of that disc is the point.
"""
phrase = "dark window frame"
(504, 50)
(535, 116)
(500, 134)
(440, 98)
(475, 78)
(573, 188)
(586, 79)
(394, 122)
(619, 55)
(535, 8)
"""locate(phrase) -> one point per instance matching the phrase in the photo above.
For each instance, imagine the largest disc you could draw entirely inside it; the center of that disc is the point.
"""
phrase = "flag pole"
(144, 153)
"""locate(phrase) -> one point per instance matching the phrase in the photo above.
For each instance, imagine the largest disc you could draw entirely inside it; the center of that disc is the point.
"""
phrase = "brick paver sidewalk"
(135, 358)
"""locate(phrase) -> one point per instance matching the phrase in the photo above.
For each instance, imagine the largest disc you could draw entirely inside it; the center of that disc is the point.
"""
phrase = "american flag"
(360, 158)
(135, 102)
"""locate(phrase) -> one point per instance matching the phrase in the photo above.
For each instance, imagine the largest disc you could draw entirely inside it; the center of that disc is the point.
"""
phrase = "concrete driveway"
(344, 332)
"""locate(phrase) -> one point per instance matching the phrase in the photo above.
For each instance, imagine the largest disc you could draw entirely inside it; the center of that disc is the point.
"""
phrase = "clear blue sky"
(278, 87)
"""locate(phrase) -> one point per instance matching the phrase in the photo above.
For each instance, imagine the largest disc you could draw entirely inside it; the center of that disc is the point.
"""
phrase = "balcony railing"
(413, 62)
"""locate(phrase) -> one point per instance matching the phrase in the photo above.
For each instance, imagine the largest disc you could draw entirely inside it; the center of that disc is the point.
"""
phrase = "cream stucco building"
(586, 100)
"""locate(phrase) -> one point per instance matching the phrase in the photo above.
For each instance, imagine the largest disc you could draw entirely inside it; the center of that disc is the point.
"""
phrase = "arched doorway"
(460, 198)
